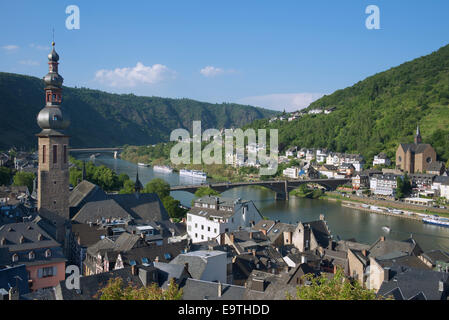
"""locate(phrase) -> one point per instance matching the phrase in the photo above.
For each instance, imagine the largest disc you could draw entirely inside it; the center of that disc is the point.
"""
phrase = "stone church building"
(415, 157)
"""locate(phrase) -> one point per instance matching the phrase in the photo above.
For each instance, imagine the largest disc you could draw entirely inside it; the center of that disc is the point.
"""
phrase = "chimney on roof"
(186, 266)
(387, 274)
(254, 252)
(335, 268)
(250, 234)
(364, 252)
(322, 217)
(232, 237)
(156, 259)
(382, 238)
(219, 289)
(303, 259)
(264, 231)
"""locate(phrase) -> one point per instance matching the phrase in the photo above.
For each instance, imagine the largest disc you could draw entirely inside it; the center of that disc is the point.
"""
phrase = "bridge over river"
(280, 187)
(94, 151)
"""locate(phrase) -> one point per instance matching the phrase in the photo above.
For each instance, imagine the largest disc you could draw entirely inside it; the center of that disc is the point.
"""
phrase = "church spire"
(138, 185)
(418, 138)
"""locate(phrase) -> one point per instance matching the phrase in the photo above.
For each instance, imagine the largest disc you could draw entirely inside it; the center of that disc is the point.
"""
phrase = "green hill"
(100, 119)
(378, 113)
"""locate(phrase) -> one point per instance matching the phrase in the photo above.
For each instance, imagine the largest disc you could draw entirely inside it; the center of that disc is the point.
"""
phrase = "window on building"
(189, 228)
(196, 225)
(215, 230)
(55, 154)
(189, 217)
(47, 272)
(208, 228)
(44, 149)
(15, 257)
(202, 237)
(202, 227)
(196, 235)
(31, 255)
(47, 253)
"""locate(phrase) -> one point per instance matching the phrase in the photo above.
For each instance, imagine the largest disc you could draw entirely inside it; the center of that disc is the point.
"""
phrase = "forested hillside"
(379, 112)
(100, 119)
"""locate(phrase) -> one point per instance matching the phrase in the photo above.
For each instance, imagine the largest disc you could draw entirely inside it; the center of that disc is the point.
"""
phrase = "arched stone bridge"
(280, 187)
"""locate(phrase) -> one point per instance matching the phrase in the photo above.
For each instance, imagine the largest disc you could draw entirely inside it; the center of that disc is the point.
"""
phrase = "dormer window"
(3, 241)
(15, 257)
(40, 237)
(47, 253)
(31, 255)
(21, 239)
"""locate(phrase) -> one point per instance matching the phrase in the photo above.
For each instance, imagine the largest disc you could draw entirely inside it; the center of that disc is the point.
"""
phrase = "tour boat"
(193, 173)
(163, 169)
(386, 228)
(436, 221)
(140, 164)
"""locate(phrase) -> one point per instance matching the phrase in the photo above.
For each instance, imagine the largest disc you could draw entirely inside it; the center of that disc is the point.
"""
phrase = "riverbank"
(389, 204)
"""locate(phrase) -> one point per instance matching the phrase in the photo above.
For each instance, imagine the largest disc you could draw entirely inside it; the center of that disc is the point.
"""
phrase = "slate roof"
(195, 289)
(436, 255)
(436, 166)
(98, 210)
(167, 271)
(165, 252)
(415, 148)
(15, 276)
(89, 285)
(208, 212)
(320, 231)
(85, 191)
(145, 207)
(197, 264)
(275, 286)
(344, 245)
(381, 248)
(406, 261)
(281, 228)
(30, 232)
(89, 235)
(411, 283)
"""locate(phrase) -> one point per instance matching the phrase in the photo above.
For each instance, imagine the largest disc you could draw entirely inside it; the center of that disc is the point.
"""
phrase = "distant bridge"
(116, 151)
(280, 187)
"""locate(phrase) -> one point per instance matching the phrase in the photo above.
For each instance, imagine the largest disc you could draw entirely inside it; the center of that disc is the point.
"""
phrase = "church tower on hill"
(53, 172)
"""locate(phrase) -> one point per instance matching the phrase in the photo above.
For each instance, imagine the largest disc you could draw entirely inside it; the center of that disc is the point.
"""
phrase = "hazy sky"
(275, 54)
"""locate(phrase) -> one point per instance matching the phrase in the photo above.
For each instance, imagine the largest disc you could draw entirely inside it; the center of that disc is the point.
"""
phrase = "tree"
(116, 290)
(206, 191)
(173, 207)
(158, 186)
(128, 187)
(336, 288)
(22, 178)
(5, 176)
(403, 186)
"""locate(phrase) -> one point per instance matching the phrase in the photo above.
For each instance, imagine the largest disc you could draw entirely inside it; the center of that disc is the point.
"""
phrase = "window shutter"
(39, 273)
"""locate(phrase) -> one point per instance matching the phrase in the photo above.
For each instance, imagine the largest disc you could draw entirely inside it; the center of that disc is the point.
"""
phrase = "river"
(345, 223)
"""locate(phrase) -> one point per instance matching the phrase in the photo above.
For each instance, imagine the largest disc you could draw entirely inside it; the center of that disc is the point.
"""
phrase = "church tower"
(53, 172)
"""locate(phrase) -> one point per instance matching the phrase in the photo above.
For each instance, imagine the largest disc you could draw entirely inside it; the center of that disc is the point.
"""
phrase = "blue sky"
(276, 54)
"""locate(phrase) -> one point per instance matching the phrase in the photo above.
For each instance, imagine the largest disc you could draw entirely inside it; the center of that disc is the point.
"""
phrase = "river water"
(344, 223)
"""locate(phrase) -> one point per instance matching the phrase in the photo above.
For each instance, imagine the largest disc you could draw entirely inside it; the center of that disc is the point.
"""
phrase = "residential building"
(381, 160)
(211, 216)
(444, 189)
(292, 172)
(436, 168)
(30, 245)
(328, 170)
(384, 185)
(360, 181)
(291, 152)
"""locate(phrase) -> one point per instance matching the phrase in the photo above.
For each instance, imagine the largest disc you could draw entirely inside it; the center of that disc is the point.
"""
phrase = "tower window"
(55, 154)
(44, 149)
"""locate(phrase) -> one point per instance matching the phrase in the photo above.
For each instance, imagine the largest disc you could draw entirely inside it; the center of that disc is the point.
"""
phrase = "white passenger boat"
(165, 169)
(193, 174)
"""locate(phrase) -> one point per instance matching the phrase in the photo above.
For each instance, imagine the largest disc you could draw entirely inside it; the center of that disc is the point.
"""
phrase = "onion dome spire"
(51, 118)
